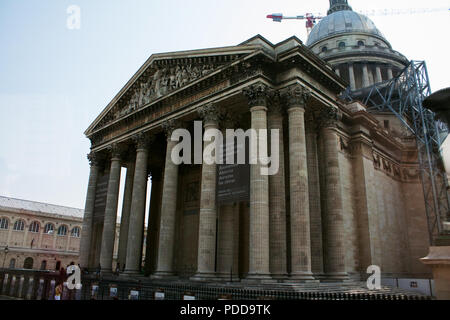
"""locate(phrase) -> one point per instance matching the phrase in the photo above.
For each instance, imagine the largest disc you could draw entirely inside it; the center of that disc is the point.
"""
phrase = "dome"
(339, 22)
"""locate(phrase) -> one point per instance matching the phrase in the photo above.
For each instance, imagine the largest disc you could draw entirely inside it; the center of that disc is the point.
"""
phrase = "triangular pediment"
(164, 74)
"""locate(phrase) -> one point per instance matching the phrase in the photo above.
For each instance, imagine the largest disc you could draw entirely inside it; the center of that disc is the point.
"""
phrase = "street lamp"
(4, 259)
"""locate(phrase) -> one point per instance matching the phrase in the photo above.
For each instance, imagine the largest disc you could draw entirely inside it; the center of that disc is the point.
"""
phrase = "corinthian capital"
(210, 113)
(257, 95)
(296, 96)
(94, 159)
(329, 117)
(170, 126)
(142, 140)
(115, 150)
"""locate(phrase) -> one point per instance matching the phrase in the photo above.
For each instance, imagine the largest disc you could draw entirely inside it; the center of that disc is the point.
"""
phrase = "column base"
(106, 272)
(319, 276)
(301, 276)
(258, 278)
(163, 275)
(226, 277)
(336, 277)
(205, 276)
(280, 276)
(131, 273)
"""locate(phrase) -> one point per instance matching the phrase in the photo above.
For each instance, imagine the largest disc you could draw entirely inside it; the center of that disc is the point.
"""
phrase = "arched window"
(49, 228)
(75, 232)
(19, 225)
(360, 43)
(34, 227)
(4, 223)
(342, 45)
(12, 263)
(28, 263)
(62, 230)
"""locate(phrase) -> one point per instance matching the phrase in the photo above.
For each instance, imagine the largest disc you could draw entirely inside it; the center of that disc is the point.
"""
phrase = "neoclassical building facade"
(37, 235)
(347, 194)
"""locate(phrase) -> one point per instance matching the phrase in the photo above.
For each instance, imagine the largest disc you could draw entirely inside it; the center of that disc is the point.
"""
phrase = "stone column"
(351, 72)
(296, 98)
(168, 209)
(314, 197)
(125, 219)
(259, 258)
(365, 75)
(225, 242)
(109, 222)
(366, 209)
(136, 227)
(151, 249)
(334, 250)
(277, 198)
(86, 231)
(338, 72)
(208, 209)
(378, 76)
(390, 73)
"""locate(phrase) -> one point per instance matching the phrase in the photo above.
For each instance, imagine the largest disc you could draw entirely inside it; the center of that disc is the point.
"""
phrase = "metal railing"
(39, 285)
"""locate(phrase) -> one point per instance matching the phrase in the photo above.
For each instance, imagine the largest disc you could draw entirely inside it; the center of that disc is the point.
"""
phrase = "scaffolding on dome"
(403, 96)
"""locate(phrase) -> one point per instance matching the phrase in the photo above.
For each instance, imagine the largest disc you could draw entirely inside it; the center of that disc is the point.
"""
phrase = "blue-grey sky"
(55, 81)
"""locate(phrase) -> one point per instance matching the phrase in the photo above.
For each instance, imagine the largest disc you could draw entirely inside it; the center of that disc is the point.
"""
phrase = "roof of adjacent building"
(341, 22)
(26, 205)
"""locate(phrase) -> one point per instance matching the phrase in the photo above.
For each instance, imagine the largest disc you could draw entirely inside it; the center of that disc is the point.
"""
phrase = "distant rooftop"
(40, 207)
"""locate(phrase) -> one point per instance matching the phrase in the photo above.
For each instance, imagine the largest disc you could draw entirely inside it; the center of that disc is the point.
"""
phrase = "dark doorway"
(28, 264)
(58, 266)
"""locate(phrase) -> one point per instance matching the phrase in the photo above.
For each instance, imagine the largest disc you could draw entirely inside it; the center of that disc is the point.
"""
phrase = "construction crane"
(312, 18)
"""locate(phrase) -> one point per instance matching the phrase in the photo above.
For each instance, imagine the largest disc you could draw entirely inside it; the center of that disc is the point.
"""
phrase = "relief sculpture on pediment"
(163, 81)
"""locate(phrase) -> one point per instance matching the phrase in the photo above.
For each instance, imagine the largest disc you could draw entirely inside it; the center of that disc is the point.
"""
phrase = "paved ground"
(7, 298)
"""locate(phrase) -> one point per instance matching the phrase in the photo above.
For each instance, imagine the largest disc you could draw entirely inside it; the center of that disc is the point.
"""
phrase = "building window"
(76, 232)
(342, 45)
(62, 230)
(34, 227)
(12, 263)
(44, 265)
(4, 224)
(360, 43)
(49, 228)
(19, 225)
(324, 49)
(28, 263)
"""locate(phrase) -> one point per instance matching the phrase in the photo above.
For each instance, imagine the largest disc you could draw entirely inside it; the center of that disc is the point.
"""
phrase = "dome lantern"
(338, 5)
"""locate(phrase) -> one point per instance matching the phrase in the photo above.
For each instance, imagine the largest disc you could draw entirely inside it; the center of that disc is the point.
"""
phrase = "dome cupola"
(354, 47)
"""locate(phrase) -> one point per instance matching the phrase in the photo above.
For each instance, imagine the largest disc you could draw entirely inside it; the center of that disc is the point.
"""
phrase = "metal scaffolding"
(403, 96)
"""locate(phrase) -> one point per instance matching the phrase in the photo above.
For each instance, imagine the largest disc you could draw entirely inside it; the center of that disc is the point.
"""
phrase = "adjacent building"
(37, 235)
